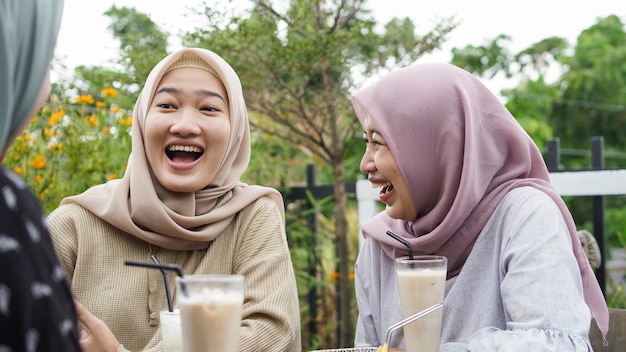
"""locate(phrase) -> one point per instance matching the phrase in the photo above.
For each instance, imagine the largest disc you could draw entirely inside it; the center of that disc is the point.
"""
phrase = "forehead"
(368, 124)
(370, 127)
(187, 76)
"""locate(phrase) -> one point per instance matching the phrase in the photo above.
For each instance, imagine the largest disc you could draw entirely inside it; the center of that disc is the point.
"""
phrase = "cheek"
(153, 136)
(219, 134)
(384, 161)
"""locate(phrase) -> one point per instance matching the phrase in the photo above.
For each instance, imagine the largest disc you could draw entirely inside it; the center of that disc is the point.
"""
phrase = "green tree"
(585, 100)
(142, 43)
(593, 101)
(486, 60)
(141, 46)
(298, 66)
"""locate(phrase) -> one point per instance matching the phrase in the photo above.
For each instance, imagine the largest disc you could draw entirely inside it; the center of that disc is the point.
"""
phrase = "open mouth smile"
(182, 154)
(386, 189)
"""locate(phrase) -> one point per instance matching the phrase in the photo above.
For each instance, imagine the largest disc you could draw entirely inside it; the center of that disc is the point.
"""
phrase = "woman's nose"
(186, 123)
(367, 162)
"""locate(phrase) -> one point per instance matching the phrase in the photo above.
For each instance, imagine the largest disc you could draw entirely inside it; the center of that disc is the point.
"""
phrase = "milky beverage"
(211, 319)
(171, 333)
(421, 288)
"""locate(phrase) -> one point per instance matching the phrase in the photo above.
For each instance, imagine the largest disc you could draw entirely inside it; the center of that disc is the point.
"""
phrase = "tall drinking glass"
(171, 333)
(210, 310)
(422, 282)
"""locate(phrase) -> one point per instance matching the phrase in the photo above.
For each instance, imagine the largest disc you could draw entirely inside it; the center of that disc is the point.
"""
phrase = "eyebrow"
(372, 132)
(204, 92)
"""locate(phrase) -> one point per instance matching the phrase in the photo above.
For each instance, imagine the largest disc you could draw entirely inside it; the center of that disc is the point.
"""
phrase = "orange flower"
(127, 121)
(111, 177)
(335, 276)
(109, 92)
(57, 147)
(88, 99)
(99, 104)
(49, 132)
(38, 179)
(18, 170)
(92, 120)
(115, 109)
(54, 118)
(39, 162)
(106, 130)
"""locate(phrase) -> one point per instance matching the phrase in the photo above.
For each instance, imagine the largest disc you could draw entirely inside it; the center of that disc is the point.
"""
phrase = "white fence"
(574, 183)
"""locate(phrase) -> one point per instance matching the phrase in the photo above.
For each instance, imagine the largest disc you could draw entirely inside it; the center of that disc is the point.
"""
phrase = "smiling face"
(382, 171)
(187, 129)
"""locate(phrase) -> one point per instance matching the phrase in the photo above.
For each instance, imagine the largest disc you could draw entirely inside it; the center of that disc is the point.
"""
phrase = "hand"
(98, 337)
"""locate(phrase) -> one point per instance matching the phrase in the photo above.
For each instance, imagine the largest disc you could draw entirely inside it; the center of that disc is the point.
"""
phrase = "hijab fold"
(140, 206)
(460, 152)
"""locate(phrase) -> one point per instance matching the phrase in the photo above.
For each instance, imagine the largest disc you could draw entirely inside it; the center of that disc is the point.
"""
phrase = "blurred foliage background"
(298, 65)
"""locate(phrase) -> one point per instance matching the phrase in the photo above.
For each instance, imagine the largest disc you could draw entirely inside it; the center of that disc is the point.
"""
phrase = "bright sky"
(85, 40)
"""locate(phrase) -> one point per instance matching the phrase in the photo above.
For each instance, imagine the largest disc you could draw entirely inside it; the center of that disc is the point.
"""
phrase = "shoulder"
(15, 193)
(67, 218)
(263, 206)
(69, 211)
(527, 216)
(19, 208)
(524, 202)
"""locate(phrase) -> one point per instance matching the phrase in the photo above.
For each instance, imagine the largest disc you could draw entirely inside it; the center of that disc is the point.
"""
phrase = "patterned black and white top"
(36, 307)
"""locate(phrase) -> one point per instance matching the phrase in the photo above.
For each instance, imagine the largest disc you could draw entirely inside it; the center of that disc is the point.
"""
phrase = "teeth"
(379, 185)
(184, 148)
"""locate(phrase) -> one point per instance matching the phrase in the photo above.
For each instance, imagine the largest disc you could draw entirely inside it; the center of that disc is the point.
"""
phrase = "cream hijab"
(460, 152)
(140, 206)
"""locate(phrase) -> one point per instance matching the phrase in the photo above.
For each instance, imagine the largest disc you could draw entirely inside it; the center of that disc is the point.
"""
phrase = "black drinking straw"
(166, 280)
(403, 241)
(162, 268)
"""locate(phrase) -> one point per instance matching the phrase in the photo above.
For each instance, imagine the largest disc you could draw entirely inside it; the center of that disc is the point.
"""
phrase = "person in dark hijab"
(37, 311)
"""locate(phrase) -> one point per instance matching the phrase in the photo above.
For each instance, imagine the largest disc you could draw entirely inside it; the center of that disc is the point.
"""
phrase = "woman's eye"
(371, 143)
(209, 109)
(165, 106)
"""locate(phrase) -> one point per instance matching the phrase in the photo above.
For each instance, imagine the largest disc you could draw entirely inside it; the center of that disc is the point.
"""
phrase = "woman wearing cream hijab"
(36, 308)
(180, 200)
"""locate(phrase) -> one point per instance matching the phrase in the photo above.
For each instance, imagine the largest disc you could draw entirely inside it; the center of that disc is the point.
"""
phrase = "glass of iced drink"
(171, 333)
(422, 282)
(210, 310)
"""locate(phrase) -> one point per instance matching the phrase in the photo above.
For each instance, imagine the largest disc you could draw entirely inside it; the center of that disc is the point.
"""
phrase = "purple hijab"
(460, 152)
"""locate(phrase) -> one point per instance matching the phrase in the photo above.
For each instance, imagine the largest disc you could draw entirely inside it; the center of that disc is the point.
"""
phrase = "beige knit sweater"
(128, 298)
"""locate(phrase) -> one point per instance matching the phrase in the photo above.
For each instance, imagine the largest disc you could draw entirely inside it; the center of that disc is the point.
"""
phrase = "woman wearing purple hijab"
(461, 178)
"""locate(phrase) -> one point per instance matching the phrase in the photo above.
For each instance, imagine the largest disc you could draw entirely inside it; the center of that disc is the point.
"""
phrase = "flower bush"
(72, 144)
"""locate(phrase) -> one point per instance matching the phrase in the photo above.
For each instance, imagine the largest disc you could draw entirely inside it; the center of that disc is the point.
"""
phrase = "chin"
(400, 216)
(180, 188)
(392, 214)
